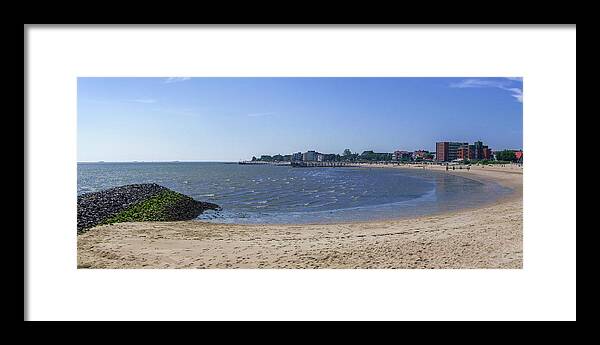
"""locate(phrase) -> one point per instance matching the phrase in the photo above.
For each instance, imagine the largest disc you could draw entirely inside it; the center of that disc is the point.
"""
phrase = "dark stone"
(94, 208)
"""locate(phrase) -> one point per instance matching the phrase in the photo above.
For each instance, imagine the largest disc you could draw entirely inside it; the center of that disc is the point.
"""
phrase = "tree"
(506, 155)
(347, 153)
(253, 159)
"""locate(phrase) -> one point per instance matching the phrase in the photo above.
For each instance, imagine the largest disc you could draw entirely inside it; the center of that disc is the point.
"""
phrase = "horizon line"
(159, 161)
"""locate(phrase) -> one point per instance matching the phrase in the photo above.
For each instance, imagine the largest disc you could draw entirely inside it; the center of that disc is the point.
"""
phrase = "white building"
(310, 156)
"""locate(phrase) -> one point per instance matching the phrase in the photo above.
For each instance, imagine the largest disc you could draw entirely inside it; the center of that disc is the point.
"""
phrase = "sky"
(232, 119)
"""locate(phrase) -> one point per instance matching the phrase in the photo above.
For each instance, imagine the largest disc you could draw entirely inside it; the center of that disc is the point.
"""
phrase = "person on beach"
(446, 167)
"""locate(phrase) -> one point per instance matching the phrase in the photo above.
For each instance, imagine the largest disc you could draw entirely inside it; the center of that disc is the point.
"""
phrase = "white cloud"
(260, 114)
(516, 93)
(176, 79)
(506, 84)
(477, 83)
(144, 100)
(177, 111)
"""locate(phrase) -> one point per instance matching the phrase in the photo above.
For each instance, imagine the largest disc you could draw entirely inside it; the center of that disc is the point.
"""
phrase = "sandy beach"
(487, 237)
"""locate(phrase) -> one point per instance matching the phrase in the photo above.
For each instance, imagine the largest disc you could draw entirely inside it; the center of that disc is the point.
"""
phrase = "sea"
(268, 194)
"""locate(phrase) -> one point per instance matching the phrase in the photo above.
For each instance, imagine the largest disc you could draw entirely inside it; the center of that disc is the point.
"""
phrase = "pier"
(323, 164)
(264, 163)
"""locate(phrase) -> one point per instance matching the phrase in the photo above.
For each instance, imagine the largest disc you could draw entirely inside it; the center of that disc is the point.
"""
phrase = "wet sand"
(486, 237)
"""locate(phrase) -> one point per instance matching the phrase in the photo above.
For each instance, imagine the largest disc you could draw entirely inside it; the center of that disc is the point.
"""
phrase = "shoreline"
(489, 236)
(513, 194)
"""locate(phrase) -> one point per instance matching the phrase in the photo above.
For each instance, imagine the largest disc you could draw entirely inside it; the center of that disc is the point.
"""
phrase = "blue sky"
(230, 119)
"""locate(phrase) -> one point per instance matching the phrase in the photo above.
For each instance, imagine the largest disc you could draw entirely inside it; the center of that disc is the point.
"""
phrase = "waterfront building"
(480, 151)
(519, 155)
(465, 152)
(402, 155)
(310, 156)
(446, 151)
(296, 157)
(487, 153)
(422, 154)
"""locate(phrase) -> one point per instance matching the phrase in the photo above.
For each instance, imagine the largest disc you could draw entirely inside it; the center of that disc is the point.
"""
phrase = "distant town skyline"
(231, 119)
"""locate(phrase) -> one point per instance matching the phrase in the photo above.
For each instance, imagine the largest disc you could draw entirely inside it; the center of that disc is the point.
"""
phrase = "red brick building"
(446, 151)
(449, 151)
(423, 155)
(519, 155)
(487, 153)
(402, 155)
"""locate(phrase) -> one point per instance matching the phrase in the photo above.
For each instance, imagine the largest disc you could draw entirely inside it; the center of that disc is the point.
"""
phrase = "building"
(402, 155)
(310, 156)
(422, 154)
(487, 153)
(464, 151)
(519, 155)
(296, 157)
(480, 151)
(446, 151)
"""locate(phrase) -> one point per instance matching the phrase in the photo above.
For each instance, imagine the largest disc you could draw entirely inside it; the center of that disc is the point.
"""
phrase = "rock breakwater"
(136, 202)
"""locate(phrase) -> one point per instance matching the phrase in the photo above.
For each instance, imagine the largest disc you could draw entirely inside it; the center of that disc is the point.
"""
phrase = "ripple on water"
(267, 194)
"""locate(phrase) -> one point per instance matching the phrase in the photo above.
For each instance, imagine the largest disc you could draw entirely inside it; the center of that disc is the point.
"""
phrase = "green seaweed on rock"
(155, 208)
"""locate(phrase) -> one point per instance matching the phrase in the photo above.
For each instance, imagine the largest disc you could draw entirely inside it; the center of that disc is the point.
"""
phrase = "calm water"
(281, 194)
